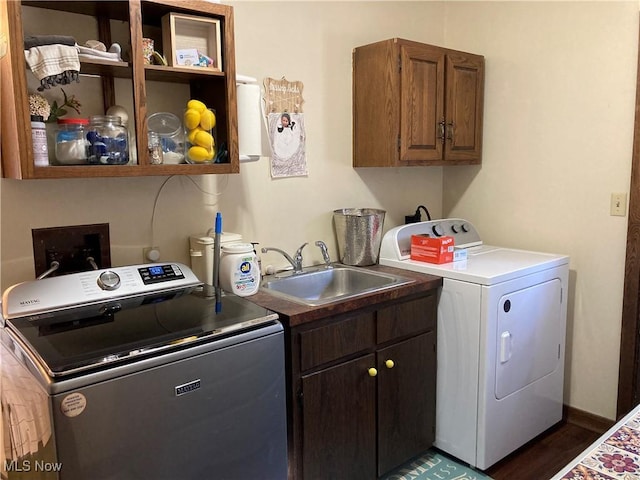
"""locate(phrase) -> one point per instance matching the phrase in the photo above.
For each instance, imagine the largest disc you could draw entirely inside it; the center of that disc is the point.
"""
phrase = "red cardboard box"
(432, 250)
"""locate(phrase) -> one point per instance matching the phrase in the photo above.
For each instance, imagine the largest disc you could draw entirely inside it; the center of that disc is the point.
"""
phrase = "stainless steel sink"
(321, 286)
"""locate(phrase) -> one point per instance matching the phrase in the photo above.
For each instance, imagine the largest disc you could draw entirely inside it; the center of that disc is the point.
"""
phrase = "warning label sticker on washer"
(73, 404)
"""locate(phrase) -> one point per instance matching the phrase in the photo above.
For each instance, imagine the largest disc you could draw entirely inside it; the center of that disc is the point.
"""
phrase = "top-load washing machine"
(501, 340)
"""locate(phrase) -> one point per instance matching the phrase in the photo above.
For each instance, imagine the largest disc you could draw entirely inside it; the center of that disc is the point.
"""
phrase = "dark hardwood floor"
(546, 455)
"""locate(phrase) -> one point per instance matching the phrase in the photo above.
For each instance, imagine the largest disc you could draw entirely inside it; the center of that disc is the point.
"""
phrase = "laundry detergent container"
(359, 233)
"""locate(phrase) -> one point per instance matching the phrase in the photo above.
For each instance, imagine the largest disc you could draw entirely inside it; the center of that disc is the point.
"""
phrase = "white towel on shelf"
(53, 64)
(86, 53)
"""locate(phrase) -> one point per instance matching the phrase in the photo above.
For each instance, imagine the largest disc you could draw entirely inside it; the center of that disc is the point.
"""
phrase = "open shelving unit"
(217, 89)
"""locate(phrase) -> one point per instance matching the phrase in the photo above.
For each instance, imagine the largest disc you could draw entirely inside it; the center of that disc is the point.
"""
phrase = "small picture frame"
(192, 42)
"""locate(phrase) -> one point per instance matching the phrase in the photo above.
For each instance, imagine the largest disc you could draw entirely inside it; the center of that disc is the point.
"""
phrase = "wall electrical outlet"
(619, 204)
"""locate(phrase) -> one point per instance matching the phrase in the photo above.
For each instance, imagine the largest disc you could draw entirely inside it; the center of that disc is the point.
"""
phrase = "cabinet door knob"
(389, 363)
(373, 372)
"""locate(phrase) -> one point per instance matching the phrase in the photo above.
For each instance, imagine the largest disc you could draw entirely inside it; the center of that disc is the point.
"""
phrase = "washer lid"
(485, 264)
(124, 330)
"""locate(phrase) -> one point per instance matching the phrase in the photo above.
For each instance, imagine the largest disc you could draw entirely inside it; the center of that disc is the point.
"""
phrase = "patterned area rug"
(617, 457)
(434, 465)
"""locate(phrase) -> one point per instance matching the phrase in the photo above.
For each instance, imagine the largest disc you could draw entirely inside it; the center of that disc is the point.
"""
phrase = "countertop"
(295, 314)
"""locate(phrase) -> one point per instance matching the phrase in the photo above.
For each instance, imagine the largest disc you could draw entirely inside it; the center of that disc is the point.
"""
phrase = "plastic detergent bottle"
(239, 270)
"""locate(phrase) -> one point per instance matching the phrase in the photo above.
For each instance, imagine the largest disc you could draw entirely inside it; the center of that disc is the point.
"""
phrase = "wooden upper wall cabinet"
(142, 18)
(416, 104)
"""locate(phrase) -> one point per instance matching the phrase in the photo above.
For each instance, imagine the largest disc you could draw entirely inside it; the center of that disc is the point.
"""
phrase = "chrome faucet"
(296, 261)
(325, 252)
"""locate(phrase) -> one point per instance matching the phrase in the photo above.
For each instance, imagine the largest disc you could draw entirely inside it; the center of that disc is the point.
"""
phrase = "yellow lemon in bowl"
(203, 139)
(200, 154)
(191, 136)
(196, 105)
(207, 120)
(191, 118)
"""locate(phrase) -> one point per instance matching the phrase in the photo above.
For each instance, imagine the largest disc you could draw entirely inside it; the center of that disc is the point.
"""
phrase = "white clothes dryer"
(501, 340)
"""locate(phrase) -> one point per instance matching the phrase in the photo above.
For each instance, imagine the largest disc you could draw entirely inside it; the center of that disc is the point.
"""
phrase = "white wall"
(559, 113)
(559, 99)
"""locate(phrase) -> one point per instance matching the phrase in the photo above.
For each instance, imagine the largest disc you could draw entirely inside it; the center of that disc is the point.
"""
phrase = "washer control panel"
(160, 273)
(95, 286)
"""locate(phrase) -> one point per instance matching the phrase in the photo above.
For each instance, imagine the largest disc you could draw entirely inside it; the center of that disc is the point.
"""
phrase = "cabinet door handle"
(440, 134)
(373, 372)
(389, 363)
(450, 131)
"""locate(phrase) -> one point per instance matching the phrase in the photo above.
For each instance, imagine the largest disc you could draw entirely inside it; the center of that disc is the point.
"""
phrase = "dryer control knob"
(437, 230)
(108, 280)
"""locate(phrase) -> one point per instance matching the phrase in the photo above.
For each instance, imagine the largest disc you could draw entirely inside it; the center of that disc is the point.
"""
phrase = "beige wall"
(559, 112)
(560, 92)
(310, 42)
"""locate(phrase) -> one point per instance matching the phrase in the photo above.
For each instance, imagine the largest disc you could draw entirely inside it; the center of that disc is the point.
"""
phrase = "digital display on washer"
(156, 270)
(160, 273)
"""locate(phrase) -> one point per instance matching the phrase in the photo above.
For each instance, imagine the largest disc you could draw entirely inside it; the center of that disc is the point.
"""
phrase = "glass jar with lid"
(71, 141)
(168, 127)
(108, 141)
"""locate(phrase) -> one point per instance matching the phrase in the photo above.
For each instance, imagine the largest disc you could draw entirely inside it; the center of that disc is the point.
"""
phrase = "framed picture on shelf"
(192, 42)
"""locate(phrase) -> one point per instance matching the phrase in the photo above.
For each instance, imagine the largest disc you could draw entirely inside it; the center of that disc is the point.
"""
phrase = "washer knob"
(437, 230)
(454, 229)
(108, 280)
(465, 227)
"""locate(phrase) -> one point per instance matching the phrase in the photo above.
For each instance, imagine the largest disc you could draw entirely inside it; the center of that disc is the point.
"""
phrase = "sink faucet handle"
(298, 258)
(325, 252)
(296, 261)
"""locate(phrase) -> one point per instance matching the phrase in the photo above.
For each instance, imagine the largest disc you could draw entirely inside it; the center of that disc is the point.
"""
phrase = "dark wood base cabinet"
(362, 390)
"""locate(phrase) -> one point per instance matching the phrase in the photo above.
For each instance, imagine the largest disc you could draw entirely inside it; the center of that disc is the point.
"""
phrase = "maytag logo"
(32, 301)
(187, 387)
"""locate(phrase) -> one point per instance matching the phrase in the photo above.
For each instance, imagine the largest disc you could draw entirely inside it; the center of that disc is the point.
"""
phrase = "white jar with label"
(239, 270)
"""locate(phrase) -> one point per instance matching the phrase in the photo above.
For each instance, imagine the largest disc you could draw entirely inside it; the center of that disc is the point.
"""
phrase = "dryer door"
(529, 336)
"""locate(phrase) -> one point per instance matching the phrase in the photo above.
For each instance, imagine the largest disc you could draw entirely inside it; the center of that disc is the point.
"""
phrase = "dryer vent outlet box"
(74, 249)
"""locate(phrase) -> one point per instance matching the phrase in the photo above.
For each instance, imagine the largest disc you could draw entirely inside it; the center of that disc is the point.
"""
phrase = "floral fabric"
(615, 457)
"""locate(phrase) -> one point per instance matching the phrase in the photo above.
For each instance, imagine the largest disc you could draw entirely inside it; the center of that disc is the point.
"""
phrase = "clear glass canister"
(109, 141)
(168, 128)
(71, 141)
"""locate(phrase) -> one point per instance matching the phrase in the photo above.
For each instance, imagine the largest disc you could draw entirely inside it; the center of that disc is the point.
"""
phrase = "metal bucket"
(359, 234)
